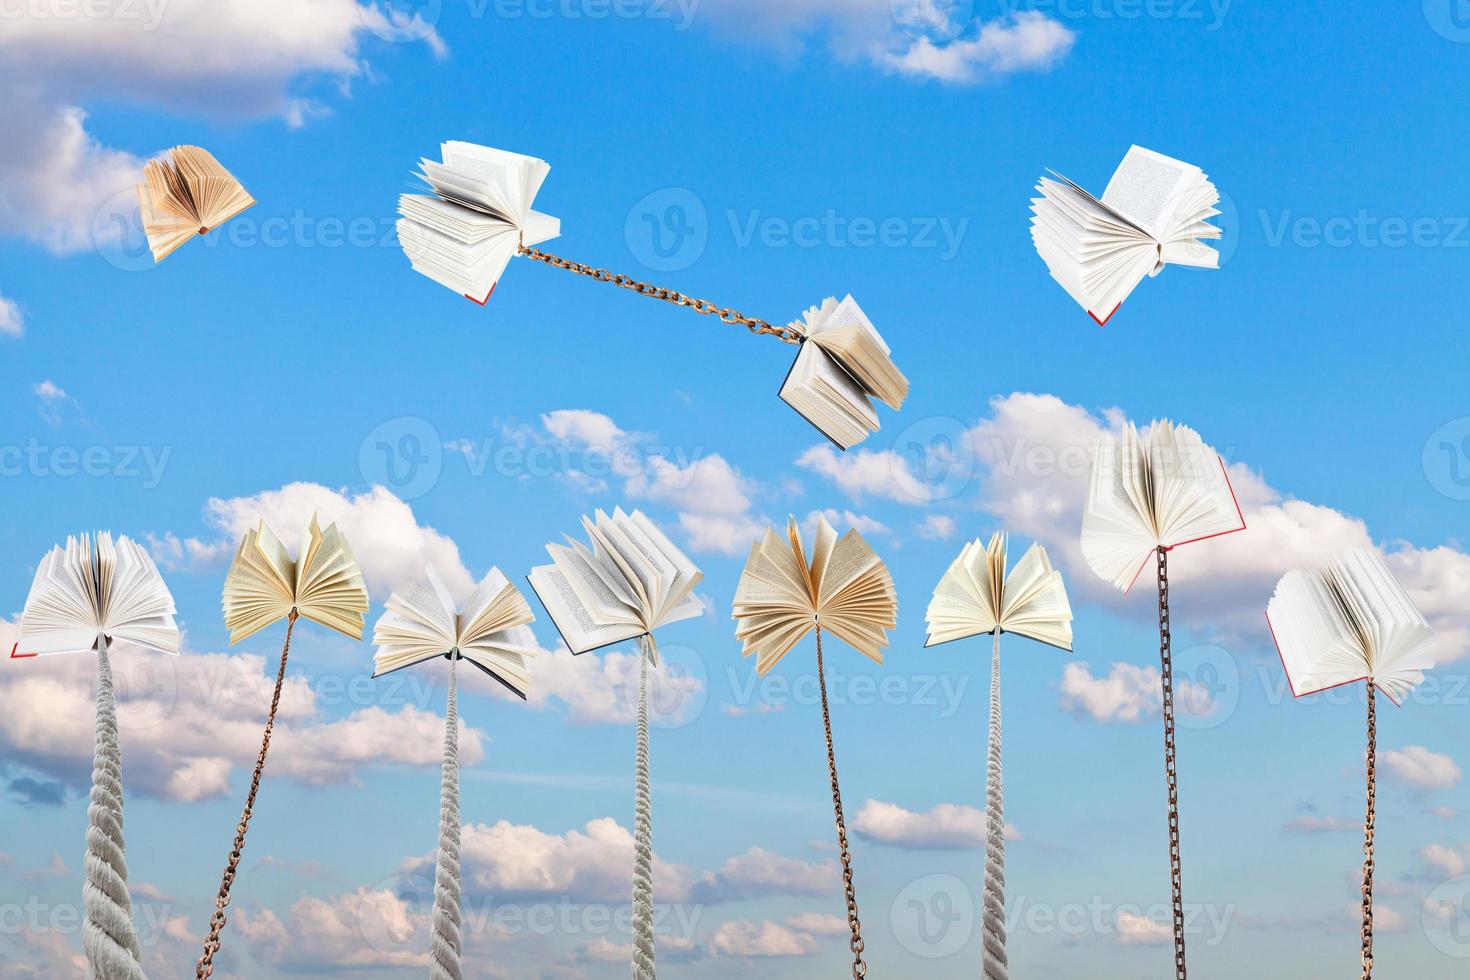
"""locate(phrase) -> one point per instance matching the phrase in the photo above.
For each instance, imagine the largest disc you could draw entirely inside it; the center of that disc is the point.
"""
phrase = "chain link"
(755, 325)
(854, 925)
(1171, 770)
(217, 921)
(1368, 833)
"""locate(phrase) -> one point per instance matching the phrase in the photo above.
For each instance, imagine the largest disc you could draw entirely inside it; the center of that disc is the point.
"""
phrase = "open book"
(490, 630)
(93, 586)
(1162, 489)
(1154, 212)
(627, 581)
(782, 594)
(464, 234)
(977, 596)
(841, 364)
(185, 195)
(1347, 621)
(323, 583)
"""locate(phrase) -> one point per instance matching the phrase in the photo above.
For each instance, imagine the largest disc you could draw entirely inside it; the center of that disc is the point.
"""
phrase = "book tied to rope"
(976, 595)
(491, 630)
(464, 234)
(1154, 212)
(323, 583)
(625, 582)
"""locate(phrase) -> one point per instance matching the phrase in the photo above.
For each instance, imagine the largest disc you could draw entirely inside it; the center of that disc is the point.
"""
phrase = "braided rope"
(1368, 823)
(993, 961)
(1171, 768)
(205, 966)
(854, 924)
(732, 316)
(108, 936)
(445, 941)
(643, 940)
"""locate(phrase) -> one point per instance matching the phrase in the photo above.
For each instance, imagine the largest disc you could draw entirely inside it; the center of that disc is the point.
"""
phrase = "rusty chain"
(1171, 769)
(1368, 833)
(755, 325)
(217, 921)
(854, 925)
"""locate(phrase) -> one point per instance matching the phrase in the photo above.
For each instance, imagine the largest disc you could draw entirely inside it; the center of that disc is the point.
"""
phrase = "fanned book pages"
(97, 586)
(490, 630)
(1157, 490)
(1349, 620)
(626, 581)
(783, 594)
(976, 596)
(841, 365)
(464, 234)
(1154, 212)
(186, 194)
(323, 583)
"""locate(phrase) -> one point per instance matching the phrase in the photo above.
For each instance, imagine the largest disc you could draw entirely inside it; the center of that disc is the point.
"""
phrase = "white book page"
(1147, 187)
(573, 621)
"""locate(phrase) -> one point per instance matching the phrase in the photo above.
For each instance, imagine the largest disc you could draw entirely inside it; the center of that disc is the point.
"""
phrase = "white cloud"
(12, 319)
(189, 723)
(390, 544)
(722, 535)
(947, 825)
(1025, 41)
(52, 402)
(1446, 861)
(937, 527)
(818, 924)
(863, 473)
(368, 928)
(1421, 768)
(1127, 695)
(747, 940)
(592, 429)
(759, 872)
(602, 689)
(1131, 929)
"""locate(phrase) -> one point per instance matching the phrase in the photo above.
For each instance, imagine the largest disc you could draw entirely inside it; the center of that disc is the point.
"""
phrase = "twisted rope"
(993, 962)
(643, 967)
(854, 924)
(1171, 769)
(205, 966)
(445, 941)
(1368, 833)
(108, 937)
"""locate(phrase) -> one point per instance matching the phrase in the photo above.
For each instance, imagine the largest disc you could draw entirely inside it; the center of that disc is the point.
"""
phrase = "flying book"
(479, 216)
(187, 194)
(626, 582)
(489, 631)
(1349, 620)
(783, 595)
(1154, 212)
(842, 363)
(977, 596)
(95, 586)
(1158, 490)
(323, 583)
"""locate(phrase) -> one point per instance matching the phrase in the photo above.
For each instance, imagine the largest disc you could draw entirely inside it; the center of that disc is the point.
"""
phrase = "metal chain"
(755, 325)
(854, 925)
(1368, 833)
(1171, 770)
(217, 921)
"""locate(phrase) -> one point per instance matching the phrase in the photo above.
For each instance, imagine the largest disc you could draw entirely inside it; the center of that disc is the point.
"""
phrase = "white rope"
(108, 937)
(993, 961)
(643, 833)
(445, 941)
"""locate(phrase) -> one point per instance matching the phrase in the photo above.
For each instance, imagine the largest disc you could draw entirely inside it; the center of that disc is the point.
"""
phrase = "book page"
(1146, 187)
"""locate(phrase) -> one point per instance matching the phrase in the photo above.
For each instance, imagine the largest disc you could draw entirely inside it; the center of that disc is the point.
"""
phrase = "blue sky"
(259, 372)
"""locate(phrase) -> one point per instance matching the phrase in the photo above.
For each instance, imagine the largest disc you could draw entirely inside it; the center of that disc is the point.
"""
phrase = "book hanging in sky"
(490, 630)
(628, 580)
(1157, 490)
(479, 215)
(783, 594)
(1347, 621)
(187, 193)
(977, 596)
(323, 583)
(1154, 212)
(842, 364)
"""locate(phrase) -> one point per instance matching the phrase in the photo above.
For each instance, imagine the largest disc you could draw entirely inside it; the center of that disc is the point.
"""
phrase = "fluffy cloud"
(603, 689)
(188, 723)
(1127, 695)
(1444, 861)
(747, 940)
(368, 928)
(1131, 929)
(12, 319)
(1421, 768)
(915, 38)
(759, 872)
(390, 544)
(864, 473)
(937, 527)
(946, 826)
(1033, 453)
